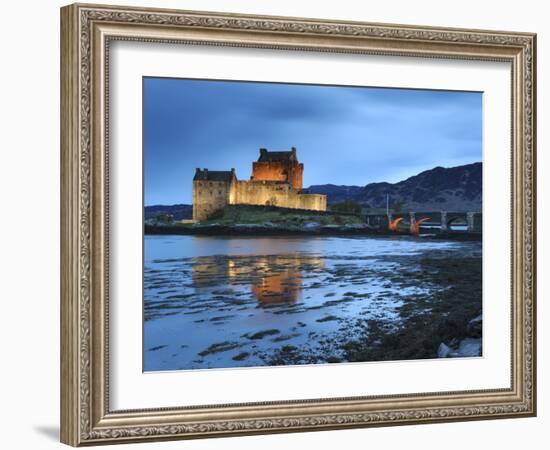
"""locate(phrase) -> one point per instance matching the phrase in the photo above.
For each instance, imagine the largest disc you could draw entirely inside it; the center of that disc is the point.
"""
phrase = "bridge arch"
(457, 221)
(437, 220)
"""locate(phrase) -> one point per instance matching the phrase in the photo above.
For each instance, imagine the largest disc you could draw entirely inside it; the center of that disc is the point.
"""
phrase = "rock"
(355, 226)
(246, 225)
(454, 343)
(311, 226)
(475, 326)
(469, 347)
(443, 351)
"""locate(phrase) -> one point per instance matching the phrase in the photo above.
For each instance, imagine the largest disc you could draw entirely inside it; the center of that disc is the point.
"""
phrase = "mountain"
(451, 189)
(177, 212)
(334, 193)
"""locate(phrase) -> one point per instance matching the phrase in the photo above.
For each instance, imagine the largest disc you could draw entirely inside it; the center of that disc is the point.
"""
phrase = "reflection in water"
(272, 279)
(284, 287)
(284, 284)
(239, 302)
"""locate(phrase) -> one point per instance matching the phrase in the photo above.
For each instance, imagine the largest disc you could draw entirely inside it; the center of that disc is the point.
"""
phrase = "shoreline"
(262, 231)
(429, 326)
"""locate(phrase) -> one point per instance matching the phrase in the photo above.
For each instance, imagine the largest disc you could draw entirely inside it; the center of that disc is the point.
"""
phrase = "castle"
(276, 181)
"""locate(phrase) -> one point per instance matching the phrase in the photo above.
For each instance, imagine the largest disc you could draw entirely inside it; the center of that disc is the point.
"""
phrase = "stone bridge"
(441, 220)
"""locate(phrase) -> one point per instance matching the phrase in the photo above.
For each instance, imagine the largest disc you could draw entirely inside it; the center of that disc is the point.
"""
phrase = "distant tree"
(346, 207)
(164, 218)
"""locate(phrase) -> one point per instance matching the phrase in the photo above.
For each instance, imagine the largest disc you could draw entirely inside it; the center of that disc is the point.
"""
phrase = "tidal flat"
(222, 302)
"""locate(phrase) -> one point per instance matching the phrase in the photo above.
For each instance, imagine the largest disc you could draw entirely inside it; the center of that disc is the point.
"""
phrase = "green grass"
(257, 215)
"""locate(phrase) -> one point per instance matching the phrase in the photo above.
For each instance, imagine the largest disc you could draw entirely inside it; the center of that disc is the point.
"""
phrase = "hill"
(177, 212)
(453, 189)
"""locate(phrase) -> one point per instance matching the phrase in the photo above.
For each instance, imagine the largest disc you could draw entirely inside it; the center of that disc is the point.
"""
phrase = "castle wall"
(209, 197)
(278, 171)
(274, 194)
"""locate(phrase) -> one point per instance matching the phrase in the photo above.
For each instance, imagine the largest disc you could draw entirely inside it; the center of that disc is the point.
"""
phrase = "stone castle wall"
(274, 194)
(209, 197)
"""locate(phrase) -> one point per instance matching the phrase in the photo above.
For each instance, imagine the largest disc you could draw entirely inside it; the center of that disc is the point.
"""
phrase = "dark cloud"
(344, 135)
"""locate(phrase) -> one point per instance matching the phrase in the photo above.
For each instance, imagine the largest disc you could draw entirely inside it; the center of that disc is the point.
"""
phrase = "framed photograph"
(276, 224)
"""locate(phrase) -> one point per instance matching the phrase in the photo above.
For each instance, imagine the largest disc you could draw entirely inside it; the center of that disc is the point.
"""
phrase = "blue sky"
(344, 135)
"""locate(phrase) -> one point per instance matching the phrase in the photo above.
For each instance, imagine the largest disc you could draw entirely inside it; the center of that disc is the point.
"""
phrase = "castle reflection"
(272, 279)
(284, 284)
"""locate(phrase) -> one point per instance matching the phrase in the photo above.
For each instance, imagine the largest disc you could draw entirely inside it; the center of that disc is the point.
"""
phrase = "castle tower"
(278, 166)
(211, 191)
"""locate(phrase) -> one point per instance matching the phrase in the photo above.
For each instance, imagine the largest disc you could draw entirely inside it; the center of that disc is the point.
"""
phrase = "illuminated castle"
(276, 181)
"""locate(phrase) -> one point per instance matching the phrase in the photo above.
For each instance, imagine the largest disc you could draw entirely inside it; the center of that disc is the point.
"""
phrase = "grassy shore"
(237, 220)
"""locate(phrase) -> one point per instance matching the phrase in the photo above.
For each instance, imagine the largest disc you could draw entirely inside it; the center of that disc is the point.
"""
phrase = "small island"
(273, 202)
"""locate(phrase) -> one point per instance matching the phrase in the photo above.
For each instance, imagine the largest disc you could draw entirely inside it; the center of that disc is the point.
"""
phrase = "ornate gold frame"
(86, 31)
